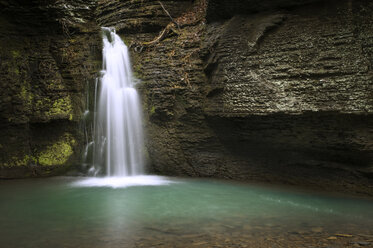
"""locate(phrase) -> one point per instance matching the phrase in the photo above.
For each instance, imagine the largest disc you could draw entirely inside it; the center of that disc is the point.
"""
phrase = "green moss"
(58, 153)
(55, 84)
(20, 162)
(138, 67)
(12, 68)
(137, 71)
(147, 59)
(40, 103)
(61, 106)
(16, 161)
(25, 93)
(152, 110)
(16, 54)
(25, 161)
(59, 109)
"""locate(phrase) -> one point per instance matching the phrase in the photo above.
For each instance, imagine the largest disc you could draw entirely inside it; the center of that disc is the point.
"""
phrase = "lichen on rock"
(52, 52)
(57, 153)
(60, 108)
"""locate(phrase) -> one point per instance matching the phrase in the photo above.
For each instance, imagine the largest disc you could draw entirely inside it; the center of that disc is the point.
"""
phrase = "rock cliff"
(49, 51)
(265, 92)
(269, 91)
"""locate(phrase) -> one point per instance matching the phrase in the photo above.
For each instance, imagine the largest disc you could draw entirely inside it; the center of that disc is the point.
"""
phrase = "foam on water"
(123, 182)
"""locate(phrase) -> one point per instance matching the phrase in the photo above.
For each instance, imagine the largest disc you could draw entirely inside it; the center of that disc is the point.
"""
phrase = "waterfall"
(117, 129)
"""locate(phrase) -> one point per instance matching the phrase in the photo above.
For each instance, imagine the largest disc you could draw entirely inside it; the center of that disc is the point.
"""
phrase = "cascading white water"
(117, 131)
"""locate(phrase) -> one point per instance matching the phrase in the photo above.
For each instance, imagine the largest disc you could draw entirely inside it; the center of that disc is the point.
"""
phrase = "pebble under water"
(169, 212)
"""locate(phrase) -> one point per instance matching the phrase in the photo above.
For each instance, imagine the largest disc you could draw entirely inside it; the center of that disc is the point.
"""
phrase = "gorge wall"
(260, 92)
(248, 90)
(49, 51)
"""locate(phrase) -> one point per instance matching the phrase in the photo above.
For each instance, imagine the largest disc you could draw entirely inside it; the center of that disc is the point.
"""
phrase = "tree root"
(192, 17)
(170, 28)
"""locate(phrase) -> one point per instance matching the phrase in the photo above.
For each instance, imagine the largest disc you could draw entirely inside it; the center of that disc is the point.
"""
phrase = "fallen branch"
(169, 28)
(192, 17)
(165, 10)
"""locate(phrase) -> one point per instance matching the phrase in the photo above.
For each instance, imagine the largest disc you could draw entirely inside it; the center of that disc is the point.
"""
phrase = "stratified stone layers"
(49, 51)
(283, 96)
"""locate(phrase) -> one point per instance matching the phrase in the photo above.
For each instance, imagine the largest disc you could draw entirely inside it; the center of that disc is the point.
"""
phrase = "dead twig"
(169, 28)
(165, 10)
(192, 17)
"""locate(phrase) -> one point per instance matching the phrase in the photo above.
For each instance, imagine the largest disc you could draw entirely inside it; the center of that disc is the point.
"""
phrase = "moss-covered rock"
(58, 153)
(52, 52)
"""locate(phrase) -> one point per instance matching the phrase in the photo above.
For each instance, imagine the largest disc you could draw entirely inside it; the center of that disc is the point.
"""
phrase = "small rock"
(199, 243)
(317, 229)
(361, 243)
(332, 238)
(344, 235)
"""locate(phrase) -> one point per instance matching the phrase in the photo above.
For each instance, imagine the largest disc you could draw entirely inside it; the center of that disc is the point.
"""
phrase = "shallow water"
(165, 212)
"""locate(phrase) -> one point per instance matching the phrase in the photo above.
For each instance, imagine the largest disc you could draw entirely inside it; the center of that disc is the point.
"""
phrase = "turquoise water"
(184, 213)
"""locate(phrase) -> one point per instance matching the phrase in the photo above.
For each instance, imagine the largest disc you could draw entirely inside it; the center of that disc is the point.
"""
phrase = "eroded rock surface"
(281, 95)
(269, 91)
(49, 51)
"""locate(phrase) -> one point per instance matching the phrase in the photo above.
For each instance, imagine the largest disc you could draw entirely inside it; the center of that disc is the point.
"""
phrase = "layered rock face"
(49, 51)
(220, 9)
(267, 92)
(291, 92)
